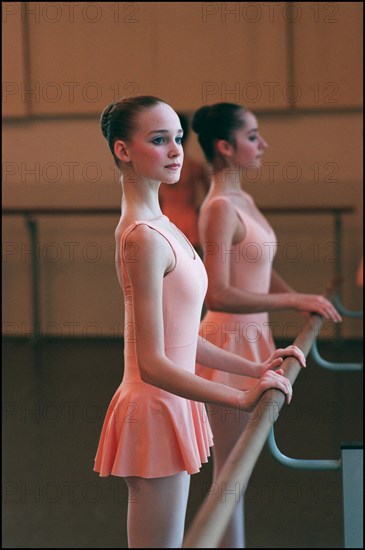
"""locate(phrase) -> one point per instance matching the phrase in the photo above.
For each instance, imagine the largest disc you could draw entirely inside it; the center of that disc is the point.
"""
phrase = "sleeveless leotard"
(247, 335)
(148, 431)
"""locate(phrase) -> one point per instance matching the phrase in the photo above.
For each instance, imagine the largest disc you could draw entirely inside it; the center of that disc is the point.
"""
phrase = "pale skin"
(147, 155)
(154, 154)
(223, 225)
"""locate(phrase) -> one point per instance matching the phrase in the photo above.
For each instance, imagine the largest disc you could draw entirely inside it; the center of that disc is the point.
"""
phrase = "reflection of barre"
(31, 214)
(301, 463)
(331, 365)
(346, 312)
(211, 520)
(332, 291)
(350, 464)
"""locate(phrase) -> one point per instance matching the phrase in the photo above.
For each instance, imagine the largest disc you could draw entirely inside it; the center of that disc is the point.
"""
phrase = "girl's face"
(155, 151)
(250, 146)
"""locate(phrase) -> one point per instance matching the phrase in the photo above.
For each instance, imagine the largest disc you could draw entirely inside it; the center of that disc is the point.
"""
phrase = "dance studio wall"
(297, 66)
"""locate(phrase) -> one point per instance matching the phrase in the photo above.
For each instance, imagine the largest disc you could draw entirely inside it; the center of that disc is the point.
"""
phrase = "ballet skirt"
(147, 431)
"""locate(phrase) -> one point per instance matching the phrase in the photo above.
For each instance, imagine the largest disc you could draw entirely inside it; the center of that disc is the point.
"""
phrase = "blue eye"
(179, 140)
(158, 140)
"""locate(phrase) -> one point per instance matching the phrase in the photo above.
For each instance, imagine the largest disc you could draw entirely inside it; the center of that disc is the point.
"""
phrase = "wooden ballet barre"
(214, 514)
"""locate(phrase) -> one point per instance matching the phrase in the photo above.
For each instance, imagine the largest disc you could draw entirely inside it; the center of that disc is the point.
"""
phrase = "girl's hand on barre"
(270, 380)
(277, 358)
(316, 303)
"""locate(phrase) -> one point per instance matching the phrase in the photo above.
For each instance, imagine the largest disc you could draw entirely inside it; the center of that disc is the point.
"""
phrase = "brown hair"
(214, 122)
(118, 119)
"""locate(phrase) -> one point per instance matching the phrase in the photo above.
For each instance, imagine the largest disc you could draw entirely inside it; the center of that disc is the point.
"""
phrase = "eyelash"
(156, 142)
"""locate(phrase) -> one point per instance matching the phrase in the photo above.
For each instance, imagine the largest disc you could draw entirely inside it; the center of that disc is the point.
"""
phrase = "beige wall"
(298, 66)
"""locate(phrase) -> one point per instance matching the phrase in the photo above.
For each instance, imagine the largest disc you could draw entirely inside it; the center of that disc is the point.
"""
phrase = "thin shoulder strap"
(217, 198)
(128, 251)
(226, 199)
(129, 254)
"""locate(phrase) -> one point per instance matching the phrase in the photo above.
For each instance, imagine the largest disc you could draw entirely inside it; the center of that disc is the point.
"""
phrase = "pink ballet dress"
(147, 431)
(247, 335)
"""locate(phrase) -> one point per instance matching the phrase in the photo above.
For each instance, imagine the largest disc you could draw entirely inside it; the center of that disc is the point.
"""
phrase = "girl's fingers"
(284, 385)
(293, 351)
(276, 362)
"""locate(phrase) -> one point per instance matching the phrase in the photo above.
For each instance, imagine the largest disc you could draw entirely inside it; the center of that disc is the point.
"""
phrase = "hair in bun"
(105, 119)
(200, 119)
(214, 122)
(117, 121)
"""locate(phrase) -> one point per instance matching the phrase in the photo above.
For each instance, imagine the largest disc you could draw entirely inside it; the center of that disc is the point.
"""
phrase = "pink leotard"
(148, 431)
(250, 261)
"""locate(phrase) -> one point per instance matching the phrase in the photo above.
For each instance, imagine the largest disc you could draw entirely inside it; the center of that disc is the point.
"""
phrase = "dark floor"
(54, 401)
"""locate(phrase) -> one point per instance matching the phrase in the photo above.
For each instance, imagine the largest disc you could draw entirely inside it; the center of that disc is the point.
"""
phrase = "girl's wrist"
(291, 297)
(256, 370)
(260, 370)
(237, 399)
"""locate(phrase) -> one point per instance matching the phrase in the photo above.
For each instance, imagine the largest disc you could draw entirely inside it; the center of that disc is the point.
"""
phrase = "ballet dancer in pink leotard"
(156, 433)
(238, 244)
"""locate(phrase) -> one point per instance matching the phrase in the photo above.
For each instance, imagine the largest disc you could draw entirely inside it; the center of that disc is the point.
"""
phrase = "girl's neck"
(227, 180)
(140, 200)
